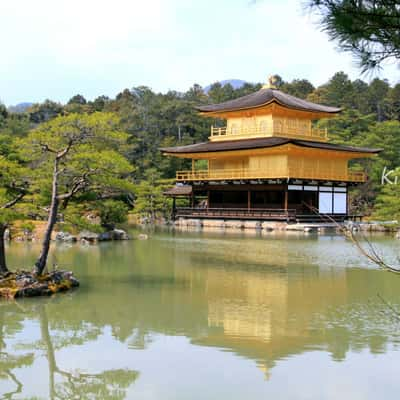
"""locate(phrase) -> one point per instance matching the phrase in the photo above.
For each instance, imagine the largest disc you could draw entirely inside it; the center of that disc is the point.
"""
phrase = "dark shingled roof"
(247, 144)
(181, 190)
(264, 97)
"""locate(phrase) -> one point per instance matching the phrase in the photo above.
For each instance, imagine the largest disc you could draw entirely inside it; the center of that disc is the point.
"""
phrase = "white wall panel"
(339, 203)
(325, 203)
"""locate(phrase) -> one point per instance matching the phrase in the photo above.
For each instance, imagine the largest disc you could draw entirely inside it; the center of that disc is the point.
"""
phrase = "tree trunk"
(3, 264)
(51, 358)
(51, 221)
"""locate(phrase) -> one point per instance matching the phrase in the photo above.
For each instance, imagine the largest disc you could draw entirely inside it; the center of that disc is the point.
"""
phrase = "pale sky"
(58, 48)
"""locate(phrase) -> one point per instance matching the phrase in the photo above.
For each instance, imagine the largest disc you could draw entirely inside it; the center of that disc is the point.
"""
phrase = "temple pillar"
(286, 198)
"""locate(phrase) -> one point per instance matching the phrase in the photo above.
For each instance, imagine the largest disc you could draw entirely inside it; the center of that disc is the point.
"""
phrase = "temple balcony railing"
(308, 173)
(225, 133)
(254, 174)
(229, 174)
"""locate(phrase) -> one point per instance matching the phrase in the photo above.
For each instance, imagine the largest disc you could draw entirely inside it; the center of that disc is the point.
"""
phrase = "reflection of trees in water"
(10, 362)
(63, 384)
(7, 364)
(76, 384)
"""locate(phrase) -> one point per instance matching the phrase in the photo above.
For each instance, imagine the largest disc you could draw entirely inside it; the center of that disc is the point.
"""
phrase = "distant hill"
(236, 84)
(20, 107)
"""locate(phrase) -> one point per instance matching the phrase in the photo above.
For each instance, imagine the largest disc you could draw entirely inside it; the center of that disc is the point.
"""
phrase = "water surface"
(207, 316)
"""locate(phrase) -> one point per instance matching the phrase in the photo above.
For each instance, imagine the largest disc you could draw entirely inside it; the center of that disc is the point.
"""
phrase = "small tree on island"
(76, 155)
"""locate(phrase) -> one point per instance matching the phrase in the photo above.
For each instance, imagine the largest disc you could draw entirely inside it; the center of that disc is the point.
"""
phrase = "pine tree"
(75, 155)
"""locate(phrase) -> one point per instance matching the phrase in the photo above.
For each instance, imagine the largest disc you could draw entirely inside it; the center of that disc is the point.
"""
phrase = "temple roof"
(248, 144)
(264, 97)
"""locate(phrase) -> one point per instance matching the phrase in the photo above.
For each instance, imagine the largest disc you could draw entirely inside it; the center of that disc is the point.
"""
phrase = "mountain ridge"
(20, 107)
(236, 84)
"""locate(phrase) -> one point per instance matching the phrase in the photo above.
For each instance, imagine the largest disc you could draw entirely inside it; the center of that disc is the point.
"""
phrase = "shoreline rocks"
(17, 233)
(89, 237)
(274, 226)
(115, 234)
(65, 237)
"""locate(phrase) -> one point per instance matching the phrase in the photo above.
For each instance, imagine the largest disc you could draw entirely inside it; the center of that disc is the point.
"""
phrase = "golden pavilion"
(267, 163)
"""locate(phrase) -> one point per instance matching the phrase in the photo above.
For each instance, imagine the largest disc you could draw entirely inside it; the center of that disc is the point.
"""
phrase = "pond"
(207, 316)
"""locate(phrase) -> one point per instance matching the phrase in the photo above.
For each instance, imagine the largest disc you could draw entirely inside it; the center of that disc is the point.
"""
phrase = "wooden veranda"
(259, 214)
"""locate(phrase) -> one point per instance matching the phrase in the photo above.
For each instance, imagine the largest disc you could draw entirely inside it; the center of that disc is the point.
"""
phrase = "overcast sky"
(57, 48)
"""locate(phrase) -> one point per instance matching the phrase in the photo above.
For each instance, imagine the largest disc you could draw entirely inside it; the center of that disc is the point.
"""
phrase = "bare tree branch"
(348, 233)
(14, 201)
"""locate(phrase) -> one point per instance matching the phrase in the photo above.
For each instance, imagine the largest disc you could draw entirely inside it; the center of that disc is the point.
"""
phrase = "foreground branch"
(371, 254)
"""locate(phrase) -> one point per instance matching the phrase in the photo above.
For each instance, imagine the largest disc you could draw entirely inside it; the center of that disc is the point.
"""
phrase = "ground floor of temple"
(291, 201)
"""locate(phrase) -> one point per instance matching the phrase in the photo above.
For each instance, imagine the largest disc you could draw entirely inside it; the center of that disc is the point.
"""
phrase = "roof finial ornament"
(271, 82)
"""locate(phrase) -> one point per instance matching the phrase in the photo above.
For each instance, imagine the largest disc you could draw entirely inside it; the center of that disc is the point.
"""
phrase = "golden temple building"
(268, 162)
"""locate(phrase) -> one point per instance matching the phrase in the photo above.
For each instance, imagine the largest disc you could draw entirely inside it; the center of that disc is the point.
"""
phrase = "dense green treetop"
(94, 161)
(14, 175)
(77, 99)
(3, 112)
(387, 206)
(42, 112)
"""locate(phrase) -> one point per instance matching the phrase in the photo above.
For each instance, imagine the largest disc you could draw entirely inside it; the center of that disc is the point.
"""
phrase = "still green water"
(207, 316)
